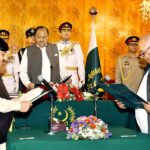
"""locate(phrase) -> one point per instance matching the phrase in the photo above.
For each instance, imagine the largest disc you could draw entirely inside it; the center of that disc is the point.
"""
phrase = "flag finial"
(93, 11)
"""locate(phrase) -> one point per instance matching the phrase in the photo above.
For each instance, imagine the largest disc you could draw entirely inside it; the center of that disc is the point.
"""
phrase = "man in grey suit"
(40, 59)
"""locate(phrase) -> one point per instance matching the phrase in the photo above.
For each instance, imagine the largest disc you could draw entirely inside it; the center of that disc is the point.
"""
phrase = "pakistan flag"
(93, 68)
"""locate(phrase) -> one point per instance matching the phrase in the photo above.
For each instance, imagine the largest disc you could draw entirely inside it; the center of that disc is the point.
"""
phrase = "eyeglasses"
(143, 52)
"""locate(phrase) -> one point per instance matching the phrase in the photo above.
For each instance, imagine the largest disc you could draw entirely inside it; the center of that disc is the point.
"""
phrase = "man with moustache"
(128, 64)
(7, 105)
(143, 115)
(40, 59)
(70, 56)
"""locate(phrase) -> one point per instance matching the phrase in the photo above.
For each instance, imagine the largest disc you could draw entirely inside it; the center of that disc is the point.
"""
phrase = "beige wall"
(116, 20)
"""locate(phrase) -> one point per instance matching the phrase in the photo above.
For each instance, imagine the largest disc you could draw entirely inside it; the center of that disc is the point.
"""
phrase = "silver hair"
(144, 42)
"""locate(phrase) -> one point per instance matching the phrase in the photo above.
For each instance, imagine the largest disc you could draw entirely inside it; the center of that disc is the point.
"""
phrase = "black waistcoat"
(5, 118)
(34, 56)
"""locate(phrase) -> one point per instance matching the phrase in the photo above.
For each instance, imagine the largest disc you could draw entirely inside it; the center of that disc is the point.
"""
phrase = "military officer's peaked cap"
(132, 39)
(65, 25)
(3, 45)
(30, 32)
(4, 34)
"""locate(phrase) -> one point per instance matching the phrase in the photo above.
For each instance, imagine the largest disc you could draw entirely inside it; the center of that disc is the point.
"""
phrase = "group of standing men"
(54, 62)
(57, 61)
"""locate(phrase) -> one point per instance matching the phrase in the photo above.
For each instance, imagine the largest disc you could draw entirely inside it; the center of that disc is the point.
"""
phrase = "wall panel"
(115, 21)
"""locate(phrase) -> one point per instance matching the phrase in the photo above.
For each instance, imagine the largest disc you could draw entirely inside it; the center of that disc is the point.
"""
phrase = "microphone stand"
(51, 115)
(95, 105)
(51, 109)
(94, 91)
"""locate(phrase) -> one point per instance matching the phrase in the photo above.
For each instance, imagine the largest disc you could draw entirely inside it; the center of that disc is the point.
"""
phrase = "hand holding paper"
(33, 95)
(147, 107)
(25, 106)
(120, 104)
(123, 94)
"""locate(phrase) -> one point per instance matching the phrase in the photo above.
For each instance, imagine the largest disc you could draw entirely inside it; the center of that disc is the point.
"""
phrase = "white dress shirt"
(141, 114)
(45, 67)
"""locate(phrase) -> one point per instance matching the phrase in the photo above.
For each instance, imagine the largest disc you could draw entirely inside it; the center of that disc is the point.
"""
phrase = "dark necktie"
(148, 98)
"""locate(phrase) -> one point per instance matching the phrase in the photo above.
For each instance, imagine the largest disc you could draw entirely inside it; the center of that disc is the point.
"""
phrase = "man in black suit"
(7, 105)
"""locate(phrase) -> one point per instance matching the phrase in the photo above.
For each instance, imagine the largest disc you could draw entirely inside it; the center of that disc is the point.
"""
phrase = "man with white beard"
(7, 106)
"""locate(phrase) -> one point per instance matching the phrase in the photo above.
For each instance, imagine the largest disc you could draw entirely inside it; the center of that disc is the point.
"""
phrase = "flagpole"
(93, 13)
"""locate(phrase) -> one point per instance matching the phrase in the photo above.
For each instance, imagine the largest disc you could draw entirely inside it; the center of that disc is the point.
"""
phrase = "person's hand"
(147, 107)
(54, 86)
(120, 104)
(25, 106)
(31, 86)
(69, 81)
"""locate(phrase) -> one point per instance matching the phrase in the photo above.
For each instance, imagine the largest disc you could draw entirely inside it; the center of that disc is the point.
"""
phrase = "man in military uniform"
(4, 34)
(30, 40)
(70, 56)
(128, 70)
(10, 78)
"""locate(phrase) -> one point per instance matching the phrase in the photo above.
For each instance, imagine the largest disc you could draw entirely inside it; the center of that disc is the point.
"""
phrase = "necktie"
(148, 98)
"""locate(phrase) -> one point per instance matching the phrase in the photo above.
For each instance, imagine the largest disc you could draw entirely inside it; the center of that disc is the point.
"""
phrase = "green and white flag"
(93, 67)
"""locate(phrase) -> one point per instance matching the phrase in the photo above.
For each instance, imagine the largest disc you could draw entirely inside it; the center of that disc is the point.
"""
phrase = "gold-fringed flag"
(93, 67)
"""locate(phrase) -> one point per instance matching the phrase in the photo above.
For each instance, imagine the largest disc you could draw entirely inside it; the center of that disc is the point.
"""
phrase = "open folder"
(33, 95)
(123, 94)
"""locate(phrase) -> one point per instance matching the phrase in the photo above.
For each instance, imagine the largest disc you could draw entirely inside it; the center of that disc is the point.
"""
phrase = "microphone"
(66, 79)
(106, 79)
(51, 67)
(41, 79)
